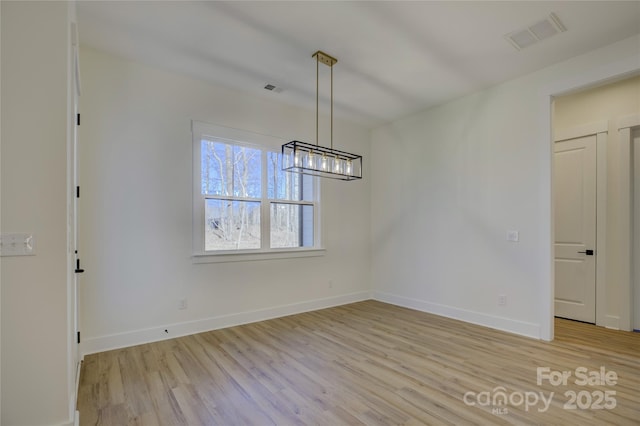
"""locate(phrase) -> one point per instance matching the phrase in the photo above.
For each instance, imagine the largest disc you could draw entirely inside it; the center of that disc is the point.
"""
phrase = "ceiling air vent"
(539, 31)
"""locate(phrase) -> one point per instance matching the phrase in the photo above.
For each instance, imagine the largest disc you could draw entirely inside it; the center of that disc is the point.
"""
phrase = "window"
(243, 201)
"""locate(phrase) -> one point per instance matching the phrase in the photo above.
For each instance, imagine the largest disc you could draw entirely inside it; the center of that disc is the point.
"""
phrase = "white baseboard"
(499, 323)
(612, 322)
(138, 337)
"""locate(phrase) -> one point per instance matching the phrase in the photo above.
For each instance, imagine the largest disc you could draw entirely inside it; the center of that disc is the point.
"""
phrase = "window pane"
(232, 225)
(291, 225)
(231, 170)
(285, 185)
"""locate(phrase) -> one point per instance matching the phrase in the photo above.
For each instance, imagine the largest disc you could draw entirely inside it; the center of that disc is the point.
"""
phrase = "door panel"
(575, 228)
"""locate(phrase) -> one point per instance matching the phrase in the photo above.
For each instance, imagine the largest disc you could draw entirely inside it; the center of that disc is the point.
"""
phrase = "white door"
(575, 228)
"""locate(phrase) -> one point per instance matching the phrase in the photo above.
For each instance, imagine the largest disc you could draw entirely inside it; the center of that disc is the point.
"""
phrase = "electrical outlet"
(330, 283)
(182, 304)
(502, 299)
(513, 236)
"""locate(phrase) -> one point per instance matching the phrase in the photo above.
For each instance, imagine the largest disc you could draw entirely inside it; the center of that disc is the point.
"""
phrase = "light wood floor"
(365, 363)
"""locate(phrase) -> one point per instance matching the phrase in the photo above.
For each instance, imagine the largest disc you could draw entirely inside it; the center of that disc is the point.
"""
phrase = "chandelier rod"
(331, 107)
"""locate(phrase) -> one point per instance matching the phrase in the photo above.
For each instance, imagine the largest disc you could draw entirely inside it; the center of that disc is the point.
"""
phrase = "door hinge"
(77, 192)
(79, 270)
(78, 337)
(78, 119)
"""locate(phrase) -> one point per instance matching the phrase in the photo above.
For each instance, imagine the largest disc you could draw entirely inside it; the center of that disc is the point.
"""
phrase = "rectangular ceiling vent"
(537, 32)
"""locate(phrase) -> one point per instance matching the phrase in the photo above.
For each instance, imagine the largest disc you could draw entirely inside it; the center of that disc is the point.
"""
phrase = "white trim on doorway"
(580, 131)
(626, 126)
(608, 72)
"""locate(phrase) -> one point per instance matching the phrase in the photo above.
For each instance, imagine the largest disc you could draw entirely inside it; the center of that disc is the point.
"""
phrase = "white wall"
(35, 336)
(135, 211)
(448, 184)
(606, 103)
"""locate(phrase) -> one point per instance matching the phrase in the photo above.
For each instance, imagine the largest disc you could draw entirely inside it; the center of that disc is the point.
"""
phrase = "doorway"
(603, 111)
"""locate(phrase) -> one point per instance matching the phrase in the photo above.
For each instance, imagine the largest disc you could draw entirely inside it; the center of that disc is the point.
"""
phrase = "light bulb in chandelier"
(324, 163)
(296, 158)
(311, 160)
(337, 165)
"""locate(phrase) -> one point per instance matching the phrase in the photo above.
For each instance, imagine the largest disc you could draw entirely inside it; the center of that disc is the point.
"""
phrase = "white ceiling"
(394, 58)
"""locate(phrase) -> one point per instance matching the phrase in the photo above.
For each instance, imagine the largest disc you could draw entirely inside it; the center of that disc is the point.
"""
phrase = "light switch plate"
(17, 244)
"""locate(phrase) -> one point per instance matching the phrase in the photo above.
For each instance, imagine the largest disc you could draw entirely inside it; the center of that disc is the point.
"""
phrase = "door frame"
(600, 130)
(635, 255)
(626, 127)
(605, 73)
(74, 355)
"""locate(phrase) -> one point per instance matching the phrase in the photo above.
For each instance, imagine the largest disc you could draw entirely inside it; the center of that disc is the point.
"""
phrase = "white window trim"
(201, 130)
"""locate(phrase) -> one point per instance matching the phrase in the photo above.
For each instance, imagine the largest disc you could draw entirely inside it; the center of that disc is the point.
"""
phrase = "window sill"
(256, 255)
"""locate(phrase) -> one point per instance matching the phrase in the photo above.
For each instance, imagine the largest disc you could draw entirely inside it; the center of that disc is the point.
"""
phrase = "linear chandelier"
(317, 160)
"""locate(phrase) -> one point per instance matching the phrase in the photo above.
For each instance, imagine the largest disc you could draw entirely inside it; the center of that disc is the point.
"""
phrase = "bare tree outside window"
(233, 172)
(291, 223)
(231, 180)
